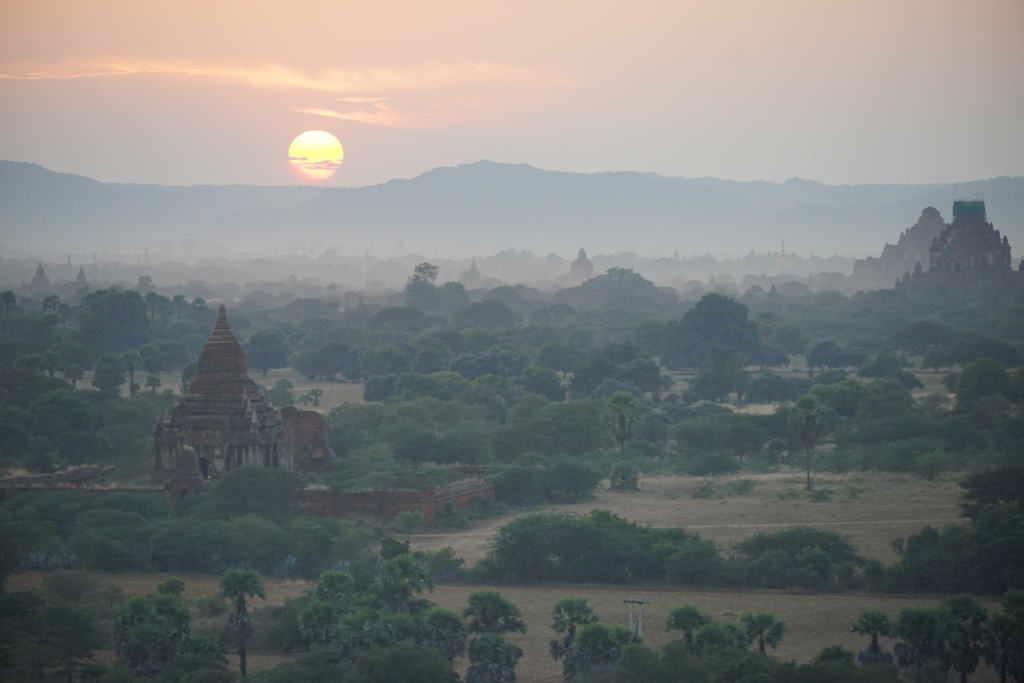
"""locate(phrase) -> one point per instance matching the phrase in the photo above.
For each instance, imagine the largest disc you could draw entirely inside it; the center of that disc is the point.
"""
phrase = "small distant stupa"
(472, 279)
(582, 268)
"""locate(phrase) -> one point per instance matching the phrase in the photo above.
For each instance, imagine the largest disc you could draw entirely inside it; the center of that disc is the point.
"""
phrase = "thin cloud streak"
(382, 116)
(418, 78)
(433, 87)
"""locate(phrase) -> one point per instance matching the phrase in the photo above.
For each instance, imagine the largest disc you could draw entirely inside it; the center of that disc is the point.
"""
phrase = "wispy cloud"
(367, 96)
(377, 113)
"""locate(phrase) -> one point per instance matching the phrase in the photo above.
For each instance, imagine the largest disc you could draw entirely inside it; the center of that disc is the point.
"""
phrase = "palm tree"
(62, 310)
(443, 631)
(966, 632)
(131, 360)
(873, 624)
(566, 616)
(155, 301)
(1004, 647)
(807, 424)
(764, 628)
(400, 579)
(493, 660)
(921, 637)
(595, 650)
(238, 585)
(153, 382)
(490, 612)
(687, 619)
(180, 304)
(50, 304)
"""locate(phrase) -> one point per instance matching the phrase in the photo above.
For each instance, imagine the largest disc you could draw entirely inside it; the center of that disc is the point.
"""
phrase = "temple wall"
(316, 502)
(387, 504)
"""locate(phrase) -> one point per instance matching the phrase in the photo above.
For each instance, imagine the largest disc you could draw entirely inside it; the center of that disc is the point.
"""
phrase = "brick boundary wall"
(387, 504)
(319, 502)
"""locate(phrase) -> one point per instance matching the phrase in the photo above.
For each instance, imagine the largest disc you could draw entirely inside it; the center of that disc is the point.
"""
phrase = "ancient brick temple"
(968, 253)
(225, 421)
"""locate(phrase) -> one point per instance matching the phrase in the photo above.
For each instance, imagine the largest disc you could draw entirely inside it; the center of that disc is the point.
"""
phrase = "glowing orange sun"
(315, 155)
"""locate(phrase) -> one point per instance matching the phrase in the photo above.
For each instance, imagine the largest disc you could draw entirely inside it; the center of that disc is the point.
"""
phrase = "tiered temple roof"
(225, 421)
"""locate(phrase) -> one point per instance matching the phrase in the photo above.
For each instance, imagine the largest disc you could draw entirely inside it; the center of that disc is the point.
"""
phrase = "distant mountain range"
(483, 208)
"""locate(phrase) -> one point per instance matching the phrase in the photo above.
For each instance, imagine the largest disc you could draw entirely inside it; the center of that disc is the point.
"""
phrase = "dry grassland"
(871, 509)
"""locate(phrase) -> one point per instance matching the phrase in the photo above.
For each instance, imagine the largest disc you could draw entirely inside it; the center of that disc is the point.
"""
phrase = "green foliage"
(687, 619)
(149, 630)
(599, 547)
(764, 629)
(489, 612)
(799, 556)
(595, 650)
(993, 487)
(238, 586)
(625, 476)
(710, 464)
(492, 660)
(715, 322)
(109, 374)
(983, 377)
(930, 465)
(270, 494)
(71, 585)
(266, 350)
(403, 661)
(706, 489)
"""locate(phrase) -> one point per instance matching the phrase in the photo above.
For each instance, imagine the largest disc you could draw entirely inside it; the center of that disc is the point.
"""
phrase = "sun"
(315, 155)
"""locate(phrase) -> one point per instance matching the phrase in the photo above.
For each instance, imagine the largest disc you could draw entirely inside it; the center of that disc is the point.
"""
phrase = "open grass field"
(812, 621)
(871, 509)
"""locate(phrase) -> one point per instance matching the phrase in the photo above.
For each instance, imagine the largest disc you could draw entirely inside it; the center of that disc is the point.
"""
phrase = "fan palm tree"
(687, 619)
(873, 624)
(566, 616)
(493, 660)
(763, 628)
(490, 612)
(238, 585)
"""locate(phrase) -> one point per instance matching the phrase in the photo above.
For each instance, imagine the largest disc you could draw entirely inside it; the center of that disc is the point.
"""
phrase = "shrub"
(711, 463)
(707, 489)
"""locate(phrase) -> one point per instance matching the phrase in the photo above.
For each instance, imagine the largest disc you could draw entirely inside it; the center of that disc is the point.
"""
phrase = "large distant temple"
(968, 253)
(225, 421)
(911, 249)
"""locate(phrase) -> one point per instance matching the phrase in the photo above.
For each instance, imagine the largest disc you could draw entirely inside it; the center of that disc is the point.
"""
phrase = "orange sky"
(189, 92)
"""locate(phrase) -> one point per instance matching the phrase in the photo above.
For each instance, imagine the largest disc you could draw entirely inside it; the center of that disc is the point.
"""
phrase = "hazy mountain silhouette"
(485, 207)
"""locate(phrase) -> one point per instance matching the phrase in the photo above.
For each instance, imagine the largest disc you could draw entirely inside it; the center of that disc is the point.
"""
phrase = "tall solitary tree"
(238, 586)
(807, 424)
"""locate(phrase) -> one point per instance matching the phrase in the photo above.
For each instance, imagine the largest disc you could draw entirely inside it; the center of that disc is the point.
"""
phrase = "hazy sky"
(212, 91)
